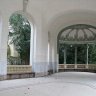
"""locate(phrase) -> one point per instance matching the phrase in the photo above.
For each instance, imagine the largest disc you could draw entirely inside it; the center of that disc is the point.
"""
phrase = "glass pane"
(70, 54)
(61, 54)
(81, 53)
(92, 54)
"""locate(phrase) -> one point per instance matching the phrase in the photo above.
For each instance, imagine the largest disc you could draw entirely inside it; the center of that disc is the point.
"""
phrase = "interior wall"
(0, 41)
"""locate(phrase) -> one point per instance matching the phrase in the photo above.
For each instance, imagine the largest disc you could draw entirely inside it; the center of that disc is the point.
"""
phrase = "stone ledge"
(77, 70)
(3, 77)
(17, 76)
(20, 75)
(41, 74)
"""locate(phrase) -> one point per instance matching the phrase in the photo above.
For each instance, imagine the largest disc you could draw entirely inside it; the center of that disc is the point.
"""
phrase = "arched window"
(77, 44)
(18, 52)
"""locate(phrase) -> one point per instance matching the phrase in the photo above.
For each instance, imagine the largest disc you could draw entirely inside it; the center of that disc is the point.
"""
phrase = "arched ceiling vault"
(64, 19)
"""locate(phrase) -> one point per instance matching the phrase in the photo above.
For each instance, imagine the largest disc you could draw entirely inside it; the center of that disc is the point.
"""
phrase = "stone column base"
(41, 74)
(3, 77)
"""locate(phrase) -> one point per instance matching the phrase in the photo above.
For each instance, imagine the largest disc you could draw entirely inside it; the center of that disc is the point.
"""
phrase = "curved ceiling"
(64, 19)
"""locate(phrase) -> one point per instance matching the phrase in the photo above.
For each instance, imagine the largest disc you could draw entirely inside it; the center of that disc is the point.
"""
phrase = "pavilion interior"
(45, 38)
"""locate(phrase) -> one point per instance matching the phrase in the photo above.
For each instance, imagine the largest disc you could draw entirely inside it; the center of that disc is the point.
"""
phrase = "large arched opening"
(62, 21)
(19, 40)
(76, 47)
(21, 44)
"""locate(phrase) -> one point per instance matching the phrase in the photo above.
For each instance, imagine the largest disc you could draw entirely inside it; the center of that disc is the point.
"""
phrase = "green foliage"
(92, 54)
(70, 54)
(61, 54)
(20, 35)
(81, 53)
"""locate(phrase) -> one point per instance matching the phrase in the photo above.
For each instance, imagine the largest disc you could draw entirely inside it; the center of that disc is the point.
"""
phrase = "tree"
(92, 54)
(81, 53)
(20, 35)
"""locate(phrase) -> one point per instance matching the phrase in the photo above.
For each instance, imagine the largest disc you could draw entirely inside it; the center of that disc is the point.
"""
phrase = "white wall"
(48, 15)
(6, 8)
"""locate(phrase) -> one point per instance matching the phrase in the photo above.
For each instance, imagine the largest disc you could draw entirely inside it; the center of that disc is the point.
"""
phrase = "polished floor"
(58, 84)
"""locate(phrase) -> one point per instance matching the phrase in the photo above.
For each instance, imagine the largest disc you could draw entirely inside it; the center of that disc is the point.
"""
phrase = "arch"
(32, 37)
(77, 45)
(33, 34)
(69, 17)
(75, 38)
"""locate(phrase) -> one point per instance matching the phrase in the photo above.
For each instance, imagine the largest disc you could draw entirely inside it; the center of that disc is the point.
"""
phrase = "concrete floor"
(59, 84)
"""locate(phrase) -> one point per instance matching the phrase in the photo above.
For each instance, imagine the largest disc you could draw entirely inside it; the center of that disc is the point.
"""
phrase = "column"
(65, 57)
(3, 46)
(75, 56)
(57, 62)
(87, 57)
